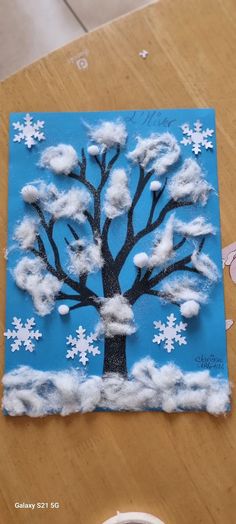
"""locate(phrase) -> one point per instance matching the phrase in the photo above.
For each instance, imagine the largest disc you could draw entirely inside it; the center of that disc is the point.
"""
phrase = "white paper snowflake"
(83, 345)
(23, 334)
(197, 137)
(170, 333)
(29, 132)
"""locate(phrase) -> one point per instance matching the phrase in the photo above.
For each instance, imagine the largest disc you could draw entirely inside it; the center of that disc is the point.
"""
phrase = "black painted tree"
(85, 201)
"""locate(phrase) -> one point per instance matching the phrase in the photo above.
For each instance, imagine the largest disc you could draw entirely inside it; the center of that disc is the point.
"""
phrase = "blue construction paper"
(206, 340)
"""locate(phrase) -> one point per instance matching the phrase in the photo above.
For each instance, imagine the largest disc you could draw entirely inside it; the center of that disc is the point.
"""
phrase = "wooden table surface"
(181, 467)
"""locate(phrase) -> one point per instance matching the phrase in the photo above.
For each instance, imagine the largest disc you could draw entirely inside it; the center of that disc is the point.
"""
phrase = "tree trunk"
(114, 347)
(115, 355)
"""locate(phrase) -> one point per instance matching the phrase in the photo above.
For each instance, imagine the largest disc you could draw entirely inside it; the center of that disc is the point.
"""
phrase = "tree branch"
(49, 232)
(87, 302)
(179, 244)
(67, 296)
(132, 239)
(142, 182)
(58, 271)
(170, 206)
(84, 181)
(146, 284)
(83, 304)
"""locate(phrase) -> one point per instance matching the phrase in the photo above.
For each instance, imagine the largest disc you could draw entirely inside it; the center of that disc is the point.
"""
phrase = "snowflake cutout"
(23, 334)
(83, 345)
(197, 137)
(29, 132)
(170, 333)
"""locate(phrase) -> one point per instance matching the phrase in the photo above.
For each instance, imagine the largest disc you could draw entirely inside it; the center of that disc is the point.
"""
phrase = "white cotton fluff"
(196, 227)
(31, 276)
(117, 197)
(61, 159)
(140, 260)
(155, 185)
(117, 317)
(93, 150)
(163, 246)
(85, 257)
(218, 399)
(65, 204)
(43, 393)
(63, 309)
(189, 309)
(30, 194)
(205, 266)
(109, 133)
(164, 149)
(190, 182)
(183, 289)
(26, 232)
(35, 393)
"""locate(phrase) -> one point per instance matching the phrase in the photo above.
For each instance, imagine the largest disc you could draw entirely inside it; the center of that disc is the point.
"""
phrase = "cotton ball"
(140, 260)
(63, 309)
(189, 309)
(93, 150)
(30, 194)
(155, 185)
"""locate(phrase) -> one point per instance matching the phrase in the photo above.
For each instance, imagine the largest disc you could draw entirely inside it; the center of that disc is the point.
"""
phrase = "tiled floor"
(30, 29)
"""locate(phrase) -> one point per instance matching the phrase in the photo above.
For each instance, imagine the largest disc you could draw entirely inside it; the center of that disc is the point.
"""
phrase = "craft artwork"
(114, 273)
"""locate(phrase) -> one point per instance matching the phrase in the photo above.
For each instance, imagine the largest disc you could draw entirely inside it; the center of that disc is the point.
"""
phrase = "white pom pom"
(63, 309)
(140, 260)
(189, 309)
(155, 185)
(93, 150)
(30, 194)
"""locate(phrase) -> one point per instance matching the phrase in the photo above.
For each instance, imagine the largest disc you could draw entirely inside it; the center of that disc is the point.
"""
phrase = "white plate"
(133, 518)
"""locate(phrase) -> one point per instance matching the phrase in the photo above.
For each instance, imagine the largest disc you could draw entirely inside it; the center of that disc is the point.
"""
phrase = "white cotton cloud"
(190, 182)
(117, 317)
(164, 149)
(117, 197)
(61, 159)
(85, 257)
(167, 388)
(109, 133)
(182, 289)
(205, 266)
(65, 204)
(26, 232)
(163, 246)
(196, 227)
(31, 276)
(65, 392)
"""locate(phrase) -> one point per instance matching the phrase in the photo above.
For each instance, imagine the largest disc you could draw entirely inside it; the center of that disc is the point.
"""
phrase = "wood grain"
(180, 467)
